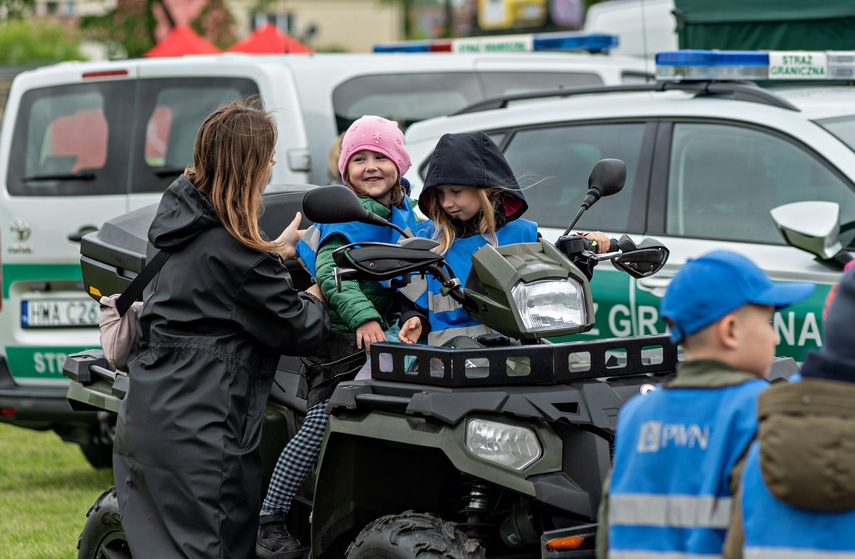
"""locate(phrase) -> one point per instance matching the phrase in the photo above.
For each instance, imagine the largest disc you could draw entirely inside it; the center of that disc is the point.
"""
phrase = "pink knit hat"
(374, 133)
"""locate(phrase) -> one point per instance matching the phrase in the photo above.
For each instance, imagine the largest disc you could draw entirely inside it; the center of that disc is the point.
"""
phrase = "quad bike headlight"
(551, 304)
(503, 444)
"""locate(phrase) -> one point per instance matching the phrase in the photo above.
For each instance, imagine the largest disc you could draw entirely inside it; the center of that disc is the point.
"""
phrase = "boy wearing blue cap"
(676, 448)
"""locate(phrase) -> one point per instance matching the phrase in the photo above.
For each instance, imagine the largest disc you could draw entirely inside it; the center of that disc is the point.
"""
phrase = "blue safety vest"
(674, 451)
(776, 530)
(353, 231)
(447, 318)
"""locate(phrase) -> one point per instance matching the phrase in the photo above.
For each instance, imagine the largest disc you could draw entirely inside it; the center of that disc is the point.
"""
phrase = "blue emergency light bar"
(688, 65)
(538, 42)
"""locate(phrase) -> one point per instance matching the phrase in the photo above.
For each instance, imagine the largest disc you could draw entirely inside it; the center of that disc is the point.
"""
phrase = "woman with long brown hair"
(214, 323)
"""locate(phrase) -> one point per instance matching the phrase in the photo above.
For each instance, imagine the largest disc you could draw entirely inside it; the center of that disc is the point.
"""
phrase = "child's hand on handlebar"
(289, 238)
(599, 240)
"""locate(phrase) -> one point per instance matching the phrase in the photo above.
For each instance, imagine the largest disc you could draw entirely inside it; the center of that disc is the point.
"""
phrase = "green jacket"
(697, 373)
(359, 301)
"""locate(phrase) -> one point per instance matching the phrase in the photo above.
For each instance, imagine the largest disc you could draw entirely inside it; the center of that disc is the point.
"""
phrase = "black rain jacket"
(215, 320)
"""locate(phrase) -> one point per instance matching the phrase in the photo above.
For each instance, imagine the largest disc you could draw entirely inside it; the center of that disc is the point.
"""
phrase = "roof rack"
(742, 91)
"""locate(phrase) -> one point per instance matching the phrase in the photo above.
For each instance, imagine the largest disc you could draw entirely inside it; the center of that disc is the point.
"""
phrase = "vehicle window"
(723, 180)
(405, 98)
(843, 128)
(71, 141)
(509, 83)
(172, 111)
(553, 165)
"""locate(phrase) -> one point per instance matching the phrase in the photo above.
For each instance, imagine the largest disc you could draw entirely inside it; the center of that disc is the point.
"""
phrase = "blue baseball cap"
(719, 282)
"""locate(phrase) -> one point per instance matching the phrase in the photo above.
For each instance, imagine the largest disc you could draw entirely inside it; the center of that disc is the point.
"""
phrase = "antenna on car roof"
(644, 41)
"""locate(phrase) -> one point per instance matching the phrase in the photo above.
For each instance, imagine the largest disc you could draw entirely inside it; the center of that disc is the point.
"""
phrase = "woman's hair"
(231, 164)
(485, 224)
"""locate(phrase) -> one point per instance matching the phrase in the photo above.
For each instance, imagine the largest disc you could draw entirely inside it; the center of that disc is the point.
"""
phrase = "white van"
(643, 27)
(84, 142)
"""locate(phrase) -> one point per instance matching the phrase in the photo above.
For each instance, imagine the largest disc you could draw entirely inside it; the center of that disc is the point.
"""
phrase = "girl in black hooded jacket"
(472, 199)
(214, 323)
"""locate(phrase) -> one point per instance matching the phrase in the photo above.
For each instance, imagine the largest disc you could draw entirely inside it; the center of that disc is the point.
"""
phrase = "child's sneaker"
(274, 541)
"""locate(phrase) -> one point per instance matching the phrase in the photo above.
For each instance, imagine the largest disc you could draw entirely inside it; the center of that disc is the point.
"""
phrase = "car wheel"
(103, 536)
(410, 535)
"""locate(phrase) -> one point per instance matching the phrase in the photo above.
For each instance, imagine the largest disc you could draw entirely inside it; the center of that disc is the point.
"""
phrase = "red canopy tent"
(182, 40)
(269, 39)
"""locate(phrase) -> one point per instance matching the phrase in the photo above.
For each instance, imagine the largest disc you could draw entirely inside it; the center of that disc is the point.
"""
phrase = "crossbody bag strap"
(135, 288)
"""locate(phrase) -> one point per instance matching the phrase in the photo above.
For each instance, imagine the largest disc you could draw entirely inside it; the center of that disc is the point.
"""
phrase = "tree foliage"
(33, 41)
(15, 9)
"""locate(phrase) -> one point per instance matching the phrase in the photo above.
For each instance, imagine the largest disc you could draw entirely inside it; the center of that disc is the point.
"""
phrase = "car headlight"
(507, 445)
(550, 304)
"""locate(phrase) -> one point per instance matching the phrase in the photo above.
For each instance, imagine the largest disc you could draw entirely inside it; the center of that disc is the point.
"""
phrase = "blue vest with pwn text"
(674, 451)
(775, 530)
(444, 313)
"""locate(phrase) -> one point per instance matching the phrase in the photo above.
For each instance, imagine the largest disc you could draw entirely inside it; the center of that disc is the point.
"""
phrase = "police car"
(82, 143)
(708, 156)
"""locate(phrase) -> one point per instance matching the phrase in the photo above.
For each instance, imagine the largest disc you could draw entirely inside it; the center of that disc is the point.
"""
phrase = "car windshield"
(843, 128)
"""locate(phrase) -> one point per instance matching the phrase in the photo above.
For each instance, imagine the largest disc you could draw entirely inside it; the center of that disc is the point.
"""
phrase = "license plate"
(58, 313)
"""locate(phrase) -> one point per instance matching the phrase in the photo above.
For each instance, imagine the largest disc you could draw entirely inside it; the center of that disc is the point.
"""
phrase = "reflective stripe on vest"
(779, 553)
(775, 530)
(624, 554)
(685, 511)
(443, 303)
(415, 289)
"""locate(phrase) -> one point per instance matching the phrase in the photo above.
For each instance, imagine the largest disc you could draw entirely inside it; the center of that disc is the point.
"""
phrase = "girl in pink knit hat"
(374, 140)
(372, 163)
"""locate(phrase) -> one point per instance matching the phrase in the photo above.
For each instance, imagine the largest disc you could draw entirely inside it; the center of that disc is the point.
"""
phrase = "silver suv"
(706, 162)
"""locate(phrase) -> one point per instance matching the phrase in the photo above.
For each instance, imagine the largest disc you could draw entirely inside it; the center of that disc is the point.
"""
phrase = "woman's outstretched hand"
(289, 238)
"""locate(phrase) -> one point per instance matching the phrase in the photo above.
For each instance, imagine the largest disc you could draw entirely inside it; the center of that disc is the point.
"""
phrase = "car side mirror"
(812, 226)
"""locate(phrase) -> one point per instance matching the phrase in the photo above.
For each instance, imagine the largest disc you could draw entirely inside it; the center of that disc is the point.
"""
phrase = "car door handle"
(77, 236)
(655, 285)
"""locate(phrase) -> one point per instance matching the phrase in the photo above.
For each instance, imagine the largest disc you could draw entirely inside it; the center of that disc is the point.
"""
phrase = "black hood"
(183, 214)
(473, 159)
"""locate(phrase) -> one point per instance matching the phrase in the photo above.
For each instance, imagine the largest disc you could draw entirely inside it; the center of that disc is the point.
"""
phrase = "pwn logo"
(649, 439)
(655, 436)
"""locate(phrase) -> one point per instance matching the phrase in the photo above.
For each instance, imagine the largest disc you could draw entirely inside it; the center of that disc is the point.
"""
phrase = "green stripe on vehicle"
(44, 362)
(39, 272)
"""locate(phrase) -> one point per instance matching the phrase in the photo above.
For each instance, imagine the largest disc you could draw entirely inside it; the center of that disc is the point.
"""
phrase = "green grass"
(46, 487)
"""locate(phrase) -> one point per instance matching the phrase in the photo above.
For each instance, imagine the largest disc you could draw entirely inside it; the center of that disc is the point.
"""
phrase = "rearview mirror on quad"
(607, 177)
(334, 204)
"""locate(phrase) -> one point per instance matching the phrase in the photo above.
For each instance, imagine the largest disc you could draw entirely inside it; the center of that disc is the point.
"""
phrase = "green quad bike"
(491, 447)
